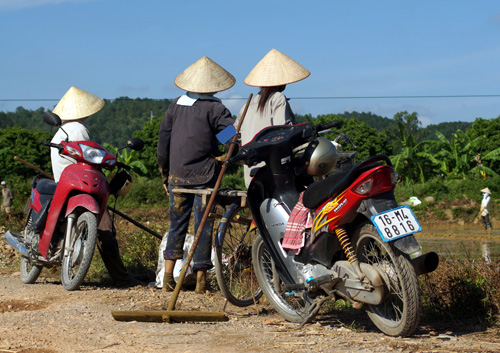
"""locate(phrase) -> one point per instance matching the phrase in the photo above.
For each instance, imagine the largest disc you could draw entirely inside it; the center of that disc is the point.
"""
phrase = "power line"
(396, 97)
(297, 98)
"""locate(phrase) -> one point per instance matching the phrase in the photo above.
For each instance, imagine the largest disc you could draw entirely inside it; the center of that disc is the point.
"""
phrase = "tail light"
(377, 183)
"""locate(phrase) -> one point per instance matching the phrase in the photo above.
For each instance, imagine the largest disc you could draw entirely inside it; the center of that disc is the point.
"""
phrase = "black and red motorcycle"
(359, 244)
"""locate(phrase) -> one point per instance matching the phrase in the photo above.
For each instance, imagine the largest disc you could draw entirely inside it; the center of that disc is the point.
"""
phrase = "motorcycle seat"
(320, 191)
(46, 187)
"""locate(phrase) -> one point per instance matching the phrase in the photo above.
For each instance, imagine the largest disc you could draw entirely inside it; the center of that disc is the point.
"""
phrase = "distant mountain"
(374, 121)
(120, 117)
(388, 125)
(114, 123)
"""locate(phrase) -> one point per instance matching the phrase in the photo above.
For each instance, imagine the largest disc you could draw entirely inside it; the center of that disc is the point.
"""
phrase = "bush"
(435, 187)
(465, 213)
(145, 192)
(462, 290)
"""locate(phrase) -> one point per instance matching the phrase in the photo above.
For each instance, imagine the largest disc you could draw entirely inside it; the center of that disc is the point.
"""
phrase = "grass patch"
(462, 290)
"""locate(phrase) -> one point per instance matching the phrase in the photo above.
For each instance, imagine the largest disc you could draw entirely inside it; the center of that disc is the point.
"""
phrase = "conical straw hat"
(276, 69)
(486, 190)
(77, 104)
(205, 76)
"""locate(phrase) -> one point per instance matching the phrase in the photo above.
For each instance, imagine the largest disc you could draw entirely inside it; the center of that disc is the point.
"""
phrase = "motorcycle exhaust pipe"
(425, 263)
(14, 241)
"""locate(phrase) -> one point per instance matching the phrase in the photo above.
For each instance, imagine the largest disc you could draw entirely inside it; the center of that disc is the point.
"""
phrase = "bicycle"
(233, 239)
(233, 247)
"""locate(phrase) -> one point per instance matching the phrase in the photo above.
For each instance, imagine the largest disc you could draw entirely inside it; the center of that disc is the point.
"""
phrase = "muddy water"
(460, 240)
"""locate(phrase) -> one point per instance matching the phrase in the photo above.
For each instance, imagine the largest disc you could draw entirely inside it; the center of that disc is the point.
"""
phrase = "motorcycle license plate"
(396, 223)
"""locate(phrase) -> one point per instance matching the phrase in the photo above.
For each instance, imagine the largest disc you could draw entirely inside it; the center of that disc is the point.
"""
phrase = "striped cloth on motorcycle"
(300, 219)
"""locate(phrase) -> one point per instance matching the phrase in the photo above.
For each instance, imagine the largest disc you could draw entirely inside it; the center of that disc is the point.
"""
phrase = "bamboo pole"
(34, 167)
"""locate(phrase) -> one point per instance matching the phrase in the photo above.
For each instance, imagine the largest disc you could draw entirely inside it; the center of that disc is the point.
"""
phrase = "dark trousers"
(486, 221)
(181, 205)
(110, 253)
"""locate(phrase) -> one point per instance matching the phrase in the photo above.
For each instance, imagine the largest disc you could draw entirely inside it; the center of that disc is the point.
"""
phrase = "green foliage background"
(437, 154)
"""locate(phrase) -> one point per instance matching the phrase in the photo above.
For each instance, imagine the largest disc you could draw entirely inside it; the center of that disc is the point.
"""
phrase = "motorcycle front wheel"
(294, 306)
(28, 271)
(399, 313)
(81, 250)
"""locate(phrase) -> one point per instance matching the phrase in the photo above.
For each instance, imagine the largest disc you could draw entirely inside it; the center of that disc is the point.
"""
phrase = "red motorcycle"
(62, 221)
(357, 243)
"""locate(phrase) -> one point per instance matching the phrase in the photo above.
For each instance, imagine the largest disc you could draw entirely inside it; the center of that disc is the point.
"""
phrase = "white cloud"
(24, 4)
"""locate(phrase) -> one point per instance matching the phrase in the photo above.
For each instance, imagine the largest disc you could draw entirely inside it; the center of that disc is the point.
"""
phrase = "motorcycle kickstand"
(316, 306)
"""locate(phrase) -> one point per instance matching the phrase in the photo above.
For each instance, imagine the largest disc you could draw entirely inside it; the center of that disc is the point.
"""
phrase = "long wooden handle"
(32, 166)
(175, 294)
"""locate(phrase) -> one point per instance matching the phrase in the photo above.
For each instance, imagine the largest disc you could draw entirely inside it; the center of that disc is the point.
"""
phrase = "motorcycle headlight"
(92, 154)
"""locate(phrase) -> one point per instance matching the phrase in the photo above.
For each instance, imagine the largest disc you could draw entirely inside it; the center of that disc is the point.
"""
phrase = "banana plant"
(413, 162)
(128, 157)
(488, 157)
(456, 157)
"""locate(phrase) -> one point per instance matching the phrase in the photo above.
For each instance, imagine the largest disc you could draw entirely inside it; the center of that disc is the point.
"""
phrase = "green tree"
(367, 140)
(490, 130)
(413, 162)
(149, 134)
(16, 141)
(456, 157)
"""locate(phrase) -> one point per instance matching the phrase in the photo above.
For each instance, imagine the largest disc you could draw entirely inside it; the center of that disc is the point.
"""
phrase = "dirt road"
(45, 318)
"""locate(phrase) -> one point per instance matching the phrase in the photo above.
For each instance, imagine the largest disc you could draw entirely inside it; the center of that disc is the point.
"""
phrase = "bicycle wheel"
(233, 260)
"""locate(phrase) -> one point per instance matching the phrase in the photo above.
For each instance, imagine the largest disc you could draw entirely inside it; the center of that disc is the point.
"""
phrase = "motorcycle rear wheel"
(294, 307)
(77, 263)
(399, 313)
(29, 272)
(233, 260)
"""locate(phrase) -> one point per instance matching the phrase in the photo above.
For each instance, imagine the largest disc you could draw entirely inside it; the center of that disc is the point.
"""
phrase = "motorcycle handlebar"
(50, 144)
(235, 159)
(123, 165)
(327, 126)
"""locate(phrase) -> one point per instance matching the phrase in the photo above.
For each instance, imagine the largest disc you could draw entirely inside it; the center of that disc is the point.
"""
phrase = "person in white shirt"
(74, 108)
(485, 208)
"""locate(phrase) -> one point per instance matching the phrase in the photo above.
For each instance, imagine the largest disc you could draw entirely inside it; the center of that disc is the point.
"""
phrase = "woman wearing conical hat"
(269, 106)
(74, 108)
(485, 208)
(187, 146)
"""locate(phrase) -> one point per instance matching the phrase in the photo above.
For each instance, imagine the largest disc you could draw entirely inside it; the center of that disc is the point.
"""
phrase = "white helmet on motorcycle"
(320, 157)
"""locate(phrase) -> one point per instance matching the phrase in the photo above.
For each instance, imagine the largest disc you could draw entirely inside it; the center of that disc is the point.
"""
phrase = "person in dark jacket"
(187, 147)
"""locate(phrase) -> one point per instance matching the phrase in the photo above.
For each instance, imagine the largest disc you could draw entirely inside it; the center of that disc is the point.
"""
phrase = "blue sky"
(354, 49)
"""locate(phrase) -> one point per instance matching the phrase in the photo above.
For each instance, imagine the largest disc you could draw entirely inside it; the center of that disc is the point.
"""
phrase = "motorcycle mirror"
(135, 144)
(52, 119)
(226, 134)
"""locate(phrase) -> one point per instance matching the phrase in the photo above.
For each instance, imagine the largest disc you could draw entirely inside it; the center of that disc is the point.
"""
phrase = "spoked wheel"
(29, 272)
(399, 313)
(77, 263)
(233, 261)
(295, 306)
